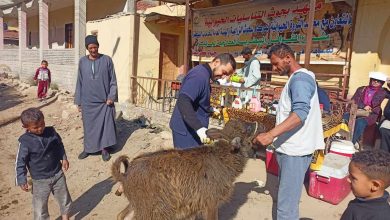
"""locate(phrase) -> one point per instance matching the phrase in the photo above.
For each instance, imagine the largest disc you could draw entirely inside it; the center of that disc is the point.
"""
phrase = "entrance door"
(69, 35)
(168, 59)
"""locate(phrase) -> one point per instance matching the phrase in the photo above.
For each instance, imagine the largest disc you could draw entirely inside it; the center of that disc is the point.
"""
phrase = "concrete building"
(53, 30)
(148, 43)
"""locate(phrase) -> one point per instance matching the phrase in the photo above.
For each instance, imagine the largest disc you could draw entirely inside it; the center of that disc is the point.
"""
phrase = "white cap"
(379, 76)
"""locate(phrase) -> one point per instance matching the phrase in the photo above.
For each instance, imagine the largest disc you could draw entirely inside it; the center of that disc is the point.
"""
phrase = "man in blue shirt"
(190, 117)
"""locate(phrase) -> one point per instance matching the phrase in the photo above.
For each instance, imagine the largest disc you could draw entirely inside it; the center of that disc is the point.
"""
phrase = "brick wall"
(9, 61)
(61, 64)
(30, 62)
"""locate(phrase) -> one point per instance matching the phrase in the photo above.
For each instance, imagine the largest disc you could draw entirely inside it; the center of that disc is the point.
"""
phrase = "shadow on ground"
(124, 130)
(10, 97)
(83, 205)
(241, 191)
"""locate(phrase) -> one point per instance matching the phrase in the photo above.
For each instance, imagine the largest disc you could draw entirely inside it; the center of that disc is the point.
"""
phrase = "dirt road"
(89, 180)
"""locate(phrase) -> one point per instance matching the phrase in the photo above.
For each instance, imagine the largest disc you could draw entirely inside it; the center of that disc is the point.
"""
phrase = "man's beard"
(285, 71)
(213, 78)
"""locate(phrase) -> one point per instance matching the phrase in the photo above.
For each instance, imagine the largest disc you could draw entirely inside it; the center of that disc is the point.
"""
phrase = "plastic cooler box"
(342, 147)
(330, 184)
(271, 164)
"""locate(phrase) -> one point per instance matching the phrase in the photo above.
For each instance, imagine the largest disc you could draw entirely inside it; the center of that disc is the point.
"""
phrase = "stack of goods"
(218, 93)
(331, 124)
(216, 96)
(261, 117)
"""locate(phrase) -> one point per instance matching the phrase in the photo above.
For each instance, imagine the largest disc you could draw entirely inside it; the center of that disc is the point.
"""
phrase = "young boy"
(42, 152)
(43, 76)
(369, 175)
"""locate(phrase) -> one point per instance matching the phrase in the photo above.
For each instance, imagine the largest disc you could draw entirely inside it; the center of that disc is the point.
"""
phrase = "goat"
(179, 184)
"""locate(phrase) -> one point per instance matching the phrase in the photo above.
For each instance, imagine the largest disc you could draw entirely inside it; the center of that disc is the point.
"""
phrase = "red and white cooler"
(330, 184)
(342, 147)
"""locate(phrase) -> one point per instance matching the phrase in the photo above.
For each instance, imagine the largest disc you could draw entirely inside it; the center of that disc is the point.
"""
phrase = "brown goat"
(179, 184)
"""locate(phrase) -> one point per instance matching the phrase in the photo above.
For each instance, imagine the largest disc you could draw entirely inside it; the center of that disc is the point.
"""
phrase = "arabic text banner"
(257, 25)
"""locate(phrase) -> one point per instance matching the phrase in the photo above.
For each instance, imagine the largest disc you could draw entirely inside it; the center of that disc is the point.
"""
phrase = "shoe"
(83, 155)
(105, 155)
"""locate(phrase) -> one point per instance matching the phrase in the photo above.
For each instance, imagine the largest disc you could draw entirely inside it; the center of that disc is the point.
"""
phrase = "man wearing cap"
(96, 92)
(251, 73)
(368, 98)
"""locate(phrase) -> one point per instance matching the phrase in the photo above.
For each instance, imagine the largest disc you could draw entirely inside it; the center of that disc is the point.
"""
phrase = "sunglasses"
(377, 80)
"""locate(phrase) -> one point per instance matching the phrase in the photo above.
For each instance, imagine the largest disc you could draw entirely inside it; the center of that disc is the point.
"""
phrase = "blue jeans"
(292, 170)
(360, 125)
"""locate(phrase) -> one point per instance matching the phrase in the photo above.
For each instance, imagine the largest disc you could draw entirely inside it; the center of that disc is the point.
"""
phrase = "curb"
(17, 117)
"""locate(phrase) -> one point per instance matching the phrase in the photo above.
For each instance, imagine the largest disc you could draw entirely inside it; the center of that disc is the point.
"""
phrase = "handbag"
(362, 113)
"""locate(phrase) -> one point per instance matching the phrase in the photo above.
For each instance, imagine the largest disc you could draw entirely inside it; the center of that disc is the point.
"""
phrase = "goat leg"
(126, 214)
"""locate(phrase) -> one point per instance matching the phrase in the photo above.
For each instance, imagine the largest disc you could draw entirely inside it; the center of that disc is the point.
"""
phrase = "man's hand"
(65, 165)
(24, 187)
(264, 139)
(242, 80)
(79, 108)
(201, 132)
(109, 102)
(368, 108)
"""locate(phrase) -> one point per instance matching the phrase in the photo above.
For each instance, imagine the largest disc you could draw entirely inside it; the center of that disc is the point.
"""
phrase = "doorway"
(69, 35)
(168, 67)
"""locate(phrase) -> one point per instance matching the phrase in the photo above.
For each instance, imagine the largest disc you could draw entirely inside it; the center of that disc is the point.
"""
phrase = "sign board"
(259, 25)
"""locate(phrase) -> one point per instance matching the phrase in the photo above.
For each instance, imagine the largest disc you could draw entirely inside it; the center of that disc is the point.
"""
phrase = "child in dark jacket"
(41, 152)
(369, 175)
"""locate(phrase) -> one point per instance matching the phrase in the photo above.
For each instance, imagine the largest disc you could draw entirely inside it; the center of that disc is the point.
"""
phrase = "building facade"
(52, 30)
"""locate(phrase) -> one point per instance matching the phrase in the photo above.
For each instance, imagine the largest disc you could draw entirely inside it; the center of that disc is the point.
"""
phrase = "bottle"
(237, 104)
(254, 105)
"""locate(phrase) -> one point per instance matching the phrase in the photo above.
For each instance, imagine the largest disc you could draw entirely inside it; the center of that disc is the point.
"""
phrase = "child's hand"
(24, 187)
(65, 165)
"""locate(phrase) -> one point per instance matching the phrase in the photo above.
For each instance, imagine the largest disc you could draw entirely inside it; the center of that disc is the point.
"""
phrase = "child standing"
(44, 78)
(42, 152)
(369, 175)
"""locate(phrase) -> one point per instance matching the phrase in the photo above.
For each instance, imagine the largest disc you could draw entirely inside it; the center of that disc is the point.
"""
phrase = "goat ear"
(214, 134)
(236, 143)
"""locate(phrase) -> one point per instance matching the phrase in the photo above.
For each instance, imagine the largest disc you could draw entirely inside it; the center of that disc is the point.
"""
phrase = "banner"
(259, 25)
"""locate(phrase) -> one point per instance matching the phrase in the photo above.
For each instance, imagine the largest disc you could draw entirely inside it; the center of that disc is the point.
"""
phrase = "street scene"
(184, 109)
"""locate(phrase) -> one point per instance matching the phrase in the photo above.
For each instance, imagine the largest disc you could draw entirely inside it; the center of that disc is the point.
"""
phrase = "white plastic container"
(335, 165)
(342, 147)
